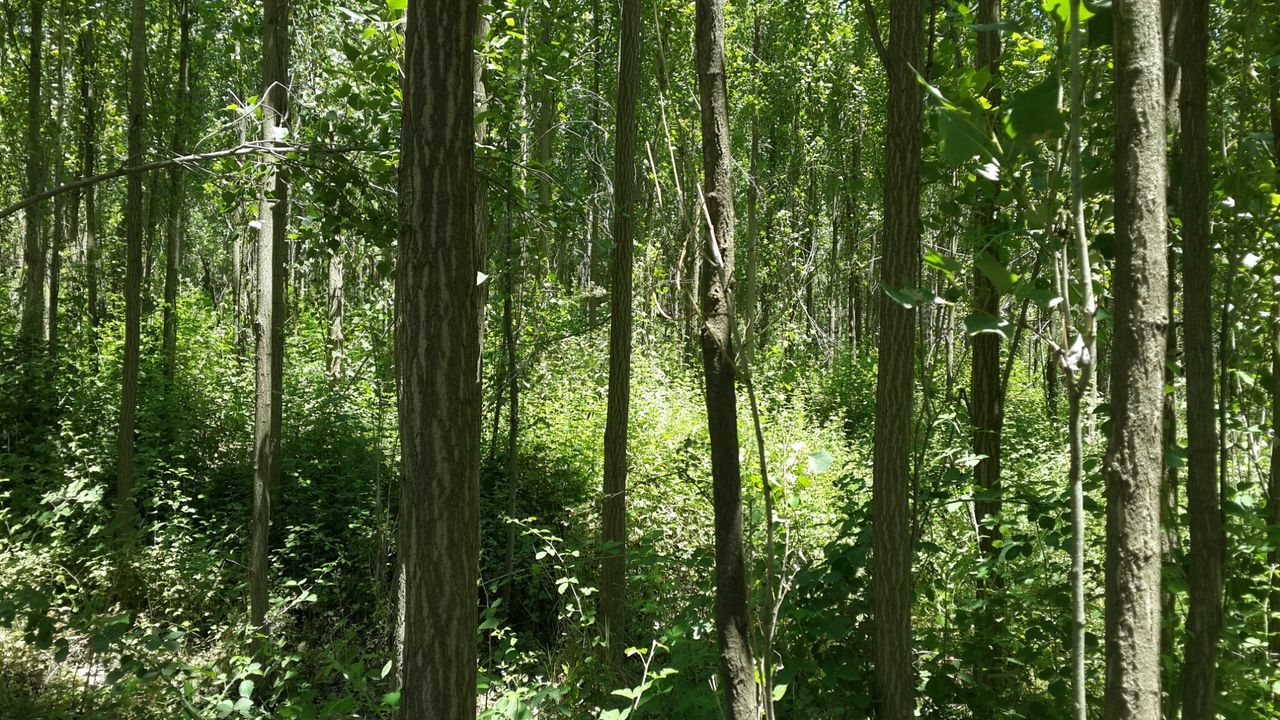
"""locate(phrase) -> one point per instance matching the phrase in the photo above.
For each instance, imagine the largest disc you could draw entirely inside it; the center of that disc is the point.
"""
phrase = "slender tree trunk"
(613, 583)
(177, 184)
(732, 618)
(273, 219)
(987, 407)
(509, 340)
(88, 165)
(335, 303)
(438, 361)
(32, 324)
(753, 195)
(895, 375)
(60, 205)
(124, 513)
(1204, 615)
(1132, 467)
(1273, 485)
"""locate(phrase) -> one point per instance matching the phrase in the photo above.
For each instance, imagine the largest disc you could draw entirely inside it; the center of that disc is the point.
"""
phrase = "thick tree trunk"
(1132, 467)
(177, 183)
(33, 255)
(895, 374)
(732, 618)
(1204, 616)
(273, 219)
(438, 361)
(613, 583)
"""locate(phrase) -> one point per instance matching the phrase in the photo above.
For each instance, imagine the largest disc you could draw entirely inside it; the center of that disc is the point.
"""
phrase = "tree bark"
(613, 583)
(732, 618)
(177, 182)
(88, 165)
(133, 277)
(273, 219)
(33, 255)
(987, 406)
(1204, 615)
(895, 374)
(335, 304)
(438, 361)
(1132, 466)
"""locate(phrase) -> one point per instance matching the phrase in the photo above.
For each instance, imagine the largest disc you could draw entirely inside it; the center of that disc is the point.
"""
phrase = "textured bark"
(133, 275)
(614, 520)
(60, 204)
(438, 361)
(177, 187)
(988, 390)
(273, 217)
(753, 195)
(33, 252)
(732, 618)
(1273, 484)
(895, 374)
(1204, 615)
(1132, 467)
(513, 410)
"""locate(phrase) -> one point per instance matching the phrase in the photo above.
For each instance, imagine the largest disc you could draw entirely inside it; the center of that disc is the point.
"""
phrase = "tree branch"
(249, 148)
(873, 24)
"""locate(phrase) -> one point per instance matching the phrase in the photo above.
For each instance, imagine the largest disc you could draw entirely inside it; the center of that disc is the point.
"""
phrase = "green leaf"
(820, 462)
(942, 263)
(246, 688)
(996, 272)
(397, 5)
(391, 699)
(386, 670)
(224, 708)
(778, 691)
(981, 322)
(1034, 113)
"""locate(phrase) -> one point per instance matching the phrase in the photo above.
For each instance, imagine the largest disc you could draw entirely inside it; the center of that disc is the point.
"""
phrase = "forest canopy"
(449, 359)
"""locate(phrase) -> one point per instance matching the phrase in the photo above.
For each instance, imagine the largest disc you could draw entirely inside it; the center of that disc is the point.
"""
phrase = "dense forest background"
(585, 359)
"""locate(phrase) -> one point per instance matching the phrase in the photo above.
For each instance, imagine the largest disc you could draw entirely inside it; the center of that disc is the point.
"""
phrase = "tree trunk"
(273, 218)
(613, 583)
(60, 206)
(895, 374)
(732, 618)
(1204, 615)
(177, 183)
(987, 407)
(133, 278)
(335, 304)
(33, 256)
(88, 165)
(1132, 467)
(438, 358)
(753, 194)
(509, 340)
(1273, 485)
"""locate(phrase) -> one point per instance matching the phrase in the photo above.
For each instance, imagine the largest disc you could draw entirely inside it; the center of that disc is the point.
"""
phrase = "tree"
(1204, 616)
(88, 165)
(1132, 466)
(33, 254)
(176, 224)
(732, 619)
(437, 360)
(891, 483)
(614, 520)
(133, 275)
(273, 220)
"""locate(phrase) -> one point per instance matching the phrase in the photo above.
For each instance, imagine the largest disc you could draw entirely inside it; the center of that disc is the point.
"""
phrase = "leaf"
(942, 263)
(1034, 114)
(981, 322)
(820, 462)
(391, 699)
(996, 272)
(224, 708)
(397, 5)
(778, 691)
(1175, 457)
(1061, 10)
(386, 670)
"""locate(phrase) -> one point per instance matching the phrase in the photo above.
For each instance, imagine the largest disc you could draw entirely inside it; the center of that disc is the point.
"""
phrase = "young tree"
(176, 223)
(437, 359)
(133, 274)
(732, 618)
(1204, 616)
(88, 166)
(614, 521)
(1132, 466)
(273, 219)
(895, 374)
(33, 254)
